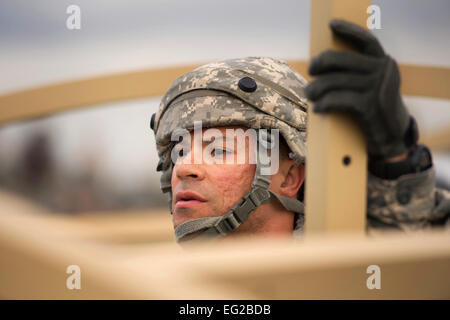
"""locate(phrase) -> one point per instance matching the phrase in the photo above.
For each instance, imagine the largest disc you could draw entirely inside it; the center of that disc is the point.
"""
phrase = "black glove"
(365, 84)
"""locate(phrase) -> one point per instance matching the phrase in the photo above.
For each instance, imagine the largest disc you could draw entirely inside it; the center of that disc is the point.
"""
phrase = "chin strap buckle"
(237, 215)
(229, 223)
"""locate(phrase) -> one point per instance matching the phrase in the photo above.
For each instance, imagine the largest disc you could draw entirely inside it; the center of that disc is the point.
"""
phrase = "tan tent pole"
(336, 162)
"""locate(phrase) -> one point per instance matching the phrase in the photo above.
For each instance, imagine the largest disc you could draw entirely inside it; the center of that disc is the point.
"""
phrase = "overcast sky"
(36, 47)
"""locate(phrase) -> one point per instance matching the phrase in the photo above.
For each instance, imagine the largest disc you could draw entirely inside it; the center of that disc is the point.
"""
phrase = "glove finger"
(365, 41)
(330, 61)
(340, 100)
(337, 81)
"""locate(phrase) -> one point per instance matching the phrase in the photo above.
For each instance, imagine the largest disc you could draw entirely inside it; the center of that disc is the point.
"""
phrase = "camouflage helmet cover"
(212, 95)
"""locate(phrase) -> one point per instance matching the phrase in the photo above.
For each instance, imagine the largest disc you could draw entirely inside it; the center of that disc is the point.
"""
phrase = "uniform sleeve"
(409, 203)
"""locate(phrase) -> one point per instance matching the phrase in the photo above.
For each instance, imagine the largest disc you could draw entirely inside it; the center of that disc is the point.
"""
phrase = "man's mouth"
(187, 199)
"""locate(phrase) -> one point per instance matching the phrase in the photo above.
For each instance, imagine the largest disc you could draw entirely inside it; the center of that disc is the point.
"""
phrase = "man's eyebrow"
(208, 140)
(217, 139)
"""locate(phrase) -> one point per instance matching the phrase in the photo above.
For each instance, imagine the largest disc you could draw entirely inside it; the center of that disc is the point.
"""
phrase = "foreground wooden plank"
(36, 249)
(35, 255)
(412, 266)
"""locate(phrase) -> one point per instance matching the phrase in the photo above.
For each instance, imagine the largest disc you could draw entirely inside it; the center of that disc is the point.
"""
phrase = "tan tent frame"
(330, 267)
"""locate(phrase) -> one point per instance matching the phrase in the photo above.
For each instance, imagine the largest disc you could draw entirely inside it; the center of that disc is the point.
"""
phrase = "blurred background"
(103, 158)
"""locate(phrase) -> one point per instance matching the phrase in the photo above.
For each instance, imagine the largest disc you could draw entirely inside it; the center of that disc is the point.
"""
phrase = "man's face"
(210, 189)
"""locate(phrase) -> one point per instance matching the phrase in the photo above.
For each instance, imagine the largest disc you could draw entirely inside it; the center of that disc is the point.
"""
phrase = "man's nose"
(187, 169)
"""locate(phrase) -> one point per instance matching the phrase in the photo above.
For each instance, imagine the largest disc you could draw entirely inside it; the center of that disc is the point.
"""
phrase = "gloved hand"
(364, 84)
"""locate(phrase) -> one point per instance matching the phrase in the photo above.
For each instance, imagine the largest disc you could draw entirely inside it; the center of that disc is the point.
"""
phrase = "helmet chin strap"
(217, 227)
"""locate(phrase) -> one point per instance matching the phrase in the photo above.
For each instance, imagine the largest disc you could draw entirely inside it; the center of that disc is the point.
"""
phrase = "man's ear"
(293, 180)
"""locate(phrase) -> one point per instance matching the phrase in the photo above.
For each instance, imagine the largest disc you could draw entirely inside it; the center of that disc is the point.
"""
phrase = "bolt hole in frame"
(346, 160)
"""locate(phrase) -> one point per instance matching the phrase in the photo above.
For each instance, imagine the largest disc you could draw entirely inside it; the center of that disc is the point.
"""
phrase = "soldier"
(217, 200)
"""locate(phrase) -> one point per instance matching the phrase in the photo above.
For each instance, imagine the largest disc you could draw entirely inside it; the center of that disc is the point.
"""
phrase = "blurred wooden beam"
(426, 81)
(128, 227)
(76, 94)
(125, 227)
(72, 95)
(436, 140)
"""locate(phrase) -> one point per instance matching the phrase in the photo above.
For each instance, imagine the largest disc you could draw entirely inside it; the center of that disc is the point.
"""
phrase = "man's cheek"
(232, 187)
(174, 180)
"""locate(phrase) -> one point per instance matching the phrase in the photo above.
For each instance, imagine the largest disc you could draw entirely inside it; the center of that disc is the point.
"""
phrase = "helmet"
(255, 92)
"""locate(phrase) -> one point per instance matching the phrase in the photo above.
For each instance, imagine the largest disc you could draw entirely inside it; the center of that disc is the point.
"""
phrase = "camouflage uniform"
(408, 203)
(211, 94)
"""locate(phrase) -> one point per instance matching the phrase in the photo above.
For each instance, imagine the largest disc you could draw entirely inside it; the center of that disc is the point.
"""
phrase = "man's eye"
(178, 153)
(220, 152)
